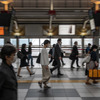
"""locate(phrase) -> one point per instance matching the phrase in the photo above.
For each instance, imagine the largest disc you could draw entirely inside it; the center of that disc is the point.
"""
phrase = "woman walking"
(94, 63)
(23, 61)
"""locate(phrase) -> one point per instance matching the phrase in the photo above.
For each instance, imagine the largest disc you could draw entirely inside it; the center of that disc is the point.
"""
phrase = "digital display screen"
(66, 29)
(1, 30)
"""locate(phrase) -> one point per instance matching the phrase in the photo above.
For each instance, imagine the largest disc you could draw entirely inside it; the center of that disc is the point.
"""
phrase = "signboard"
(1, 30)
(66, 29)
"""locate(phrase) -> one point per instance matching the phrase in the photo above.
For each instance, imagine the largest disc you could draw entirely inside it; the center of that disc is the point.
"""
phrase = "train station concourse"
(49, 49)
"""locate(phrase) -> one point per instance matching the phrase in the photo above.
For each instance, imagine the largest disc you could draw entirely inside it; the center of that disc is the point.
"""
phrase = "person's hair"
(23, 46)
(46, 42)
(8, 42)
(30, 42)
(94, 47)
(89, 44)
(59, 40)
(7, 50)
(53, 45)
(75, 42)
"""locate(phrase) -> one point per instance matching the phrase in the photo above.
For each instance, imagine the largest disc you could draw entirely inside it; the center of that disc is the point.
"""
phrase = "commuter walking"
(87, 54)
(88, 48)
(8, 80)
(44, 61)
(23, 61)
(93, 64)
(30, 54)
(74, 55)
(57, 58)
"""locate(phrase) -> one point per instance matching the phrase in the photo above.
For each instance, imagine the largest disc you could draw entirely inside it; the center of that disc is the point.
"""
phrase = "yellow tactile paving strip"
(55, 81)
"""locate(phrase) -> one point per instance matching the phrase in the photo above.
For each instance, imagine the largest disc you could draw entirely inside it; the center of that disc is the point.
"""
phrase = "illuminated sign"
(1, 30)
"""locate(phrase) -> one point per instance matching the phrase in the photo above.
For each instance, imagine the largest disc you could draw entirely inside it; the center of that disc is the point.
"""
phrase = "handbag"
(20, 55)
(38, 58)
(94, 74)
(72, 56)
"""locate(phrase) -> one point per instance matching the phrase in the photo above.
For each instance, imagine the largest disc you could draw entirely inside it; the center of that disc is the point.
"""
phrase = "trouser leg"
(77, 62)
(57, 66)
(45, 75)
(31, 60)
(72, 63)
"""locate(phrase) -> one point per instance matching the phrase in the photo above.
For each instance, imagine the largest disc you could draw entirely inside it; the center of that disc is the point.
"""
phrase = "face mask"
(14, 59)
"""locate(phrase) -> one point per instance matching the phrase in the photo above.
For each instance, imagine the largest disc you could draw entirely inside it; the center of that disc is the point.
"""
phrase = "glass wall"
(13, 41)
(23, 41)
(1, 42)
(88, 40)
(35, 46)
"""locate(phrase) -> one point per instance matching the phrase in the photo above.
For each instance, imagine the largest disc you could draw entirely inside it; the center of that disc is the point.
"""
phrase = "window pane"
(42, 40)
(53, 41)
(66, 42)
(78, 40)
(23, 41)
(86, 41)
(13, 41)
(35, 42)
(1, 42)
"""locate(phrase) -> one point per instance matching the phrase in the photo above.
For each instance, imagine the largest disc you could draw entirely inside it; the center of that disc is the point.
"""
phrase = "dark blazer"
(29, 50)
(25, 53)
(94, 56)
(57, 51)
(74, 52)
(23, 60)
(8, 83)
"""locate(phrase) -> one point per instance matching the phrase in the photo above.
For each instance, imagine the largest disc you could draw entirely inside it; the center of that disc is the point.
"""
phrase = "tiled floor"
(60, 90)
(71, 86)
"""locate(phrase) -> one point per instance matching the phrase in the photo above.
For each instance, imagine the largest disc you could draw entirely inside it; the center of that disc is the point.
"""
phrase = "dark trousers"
(74, 61)
(51, 60)
(30, 57)
(57, 66)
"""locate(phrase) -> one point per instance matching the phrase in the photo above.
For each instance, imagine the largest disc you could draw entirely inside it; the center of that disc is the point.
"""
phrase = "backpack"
(20, 55)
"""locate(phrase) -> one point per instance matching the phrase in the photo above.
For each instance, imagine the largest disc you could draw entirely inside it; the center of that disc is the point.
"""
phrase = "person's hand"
(49, 55)
(96, 64)
(46, 67)
(60, 58)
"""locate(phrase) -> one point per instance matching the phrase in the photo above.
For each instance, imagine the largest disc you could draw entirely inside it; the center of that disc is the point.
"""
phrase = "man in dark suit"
(74, 55)
(57, 57)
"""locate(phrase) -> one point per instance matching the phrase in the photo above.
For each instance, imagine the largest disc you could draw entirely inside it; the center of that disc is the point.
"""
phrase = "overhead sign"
(1, 30)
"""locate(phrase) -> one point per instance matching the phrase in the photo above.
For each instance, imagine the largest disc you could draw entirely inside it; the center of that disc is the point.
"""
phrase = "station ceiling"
(36, 11)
